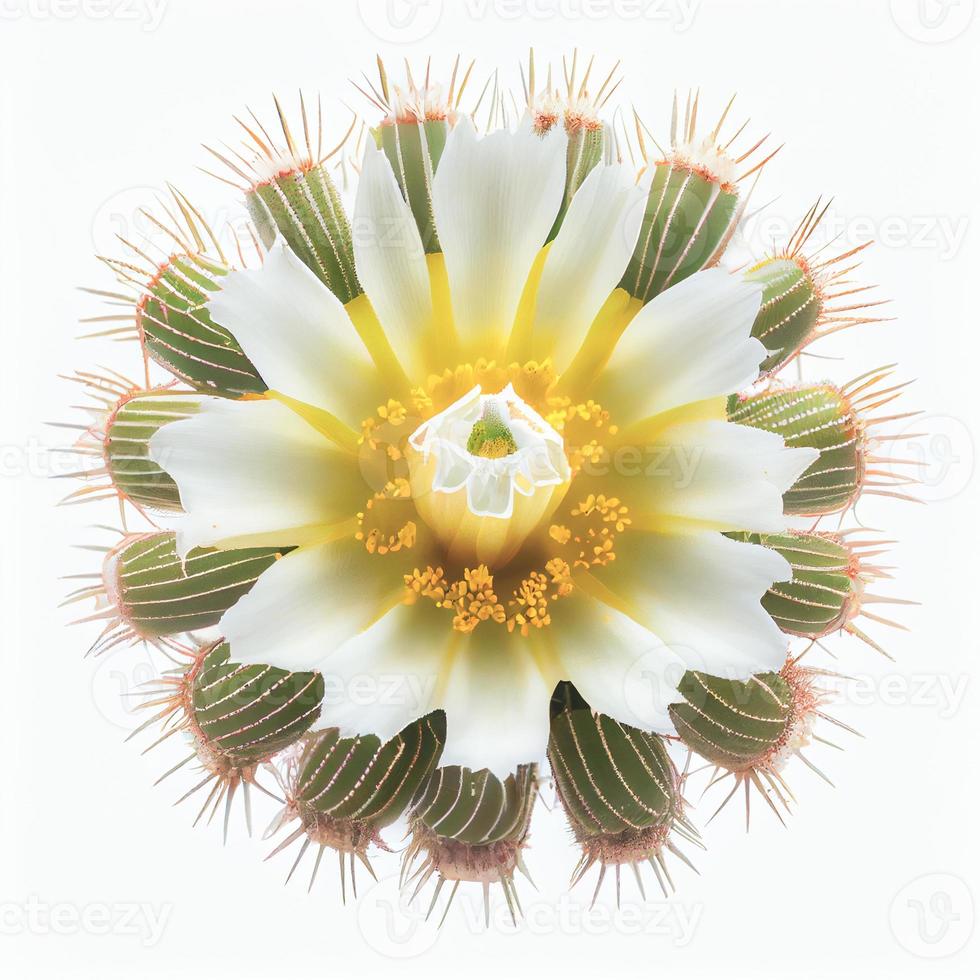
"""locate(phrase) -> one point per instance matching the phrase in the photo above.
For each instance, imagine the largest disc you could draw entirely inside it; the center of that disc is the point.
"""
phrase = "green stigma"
(490, 437)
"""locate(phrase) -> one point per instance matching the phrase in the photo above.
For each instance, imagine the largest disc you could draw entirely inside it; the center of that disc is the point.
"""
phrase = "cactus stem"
(183, 713)
(794, 689)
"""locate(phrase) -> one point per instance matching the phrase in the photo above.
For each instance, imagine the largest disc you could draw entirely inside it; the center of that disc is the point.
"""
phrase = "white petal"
(700, 594)
(496, 704)
(721, 476)
(617, 665)
(587, 259)
(386, 677)
(390, 258)
(495, 200)
(253, 472)
(308, 603)
(690, 343)
(298, 335)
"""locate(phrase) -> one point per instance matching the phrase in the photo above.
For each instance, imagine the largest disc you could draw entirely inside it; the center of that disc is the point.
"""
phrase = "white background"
(101, 104)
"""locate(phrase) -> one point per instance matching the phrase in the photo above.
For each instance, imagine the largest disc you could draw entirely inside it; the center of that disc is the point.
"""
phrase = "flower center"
(485, 473)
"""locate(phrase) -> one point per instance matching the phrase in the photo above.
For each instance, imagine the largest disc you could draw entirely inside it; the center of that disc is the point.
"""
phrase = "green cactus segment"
(737, 725)
(249, 713)
(304, 207)
(128, 434)
(817, 417)
(365, 780)
(821, 596)
(158, 594)
(414, 150)
(612, 779)
(476, 808)
(179, 334)
(790, 311)
(585, 149)
(687, 222)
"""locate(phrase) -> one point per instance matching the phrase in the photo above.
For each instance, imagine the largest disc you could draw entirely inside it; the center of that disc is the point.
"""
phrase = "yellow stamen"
(588, 536)
(385, 525)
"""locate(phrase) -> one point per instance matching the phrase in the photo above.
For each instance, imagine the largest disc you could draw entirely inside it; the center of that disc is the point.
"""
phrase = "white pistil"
(457, 492)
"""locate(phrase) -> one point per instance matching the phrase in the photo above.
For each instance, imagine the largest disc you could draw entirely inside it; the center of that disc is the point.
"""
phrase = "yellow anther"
(428, 584)
(561, 576)
(559, 533)
(530, 605)
(386, 525)
(392, 413)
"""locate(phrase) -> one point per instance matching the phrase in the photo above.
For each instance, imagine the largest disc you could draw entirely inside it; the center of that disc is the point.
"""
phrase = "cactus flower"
(505, 427)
